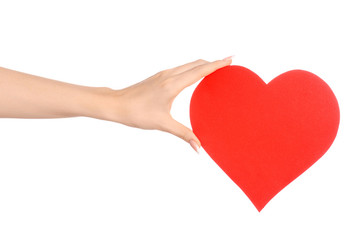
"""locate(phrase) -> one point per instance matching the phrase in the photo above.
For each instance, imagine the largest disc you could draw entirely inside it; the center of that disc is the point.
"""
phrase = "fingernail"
(228, 58)
(194, 145)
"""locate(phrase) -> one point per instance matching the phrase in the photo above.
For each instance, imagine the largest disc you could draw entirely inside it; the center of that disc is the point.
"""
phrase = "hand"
(147, 104)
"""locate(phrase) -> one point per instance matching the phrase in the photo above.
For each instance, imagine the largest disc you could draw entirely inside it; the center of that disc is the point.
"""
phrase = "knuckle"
(200, 61)
(222, 63)
(162, 73)
(184, 136)
(187, 136)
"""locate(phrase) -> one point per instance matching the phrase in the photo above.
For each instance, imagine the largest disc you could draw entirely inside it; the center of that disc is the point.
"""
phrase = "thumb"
(174, 127)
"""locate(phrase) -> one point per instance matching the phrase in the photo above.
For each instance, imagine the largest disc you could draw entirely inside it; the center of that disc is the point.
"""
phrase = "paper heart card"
(263, 136)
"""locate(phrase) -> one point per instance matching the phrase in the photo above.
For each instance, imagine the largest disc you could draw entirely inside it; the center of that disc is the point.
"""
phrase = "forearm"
(27, 96)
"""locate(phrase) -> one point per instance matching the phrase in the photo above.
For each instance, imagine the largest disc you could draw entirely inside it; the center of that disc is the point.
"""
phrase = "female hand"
(147, 104)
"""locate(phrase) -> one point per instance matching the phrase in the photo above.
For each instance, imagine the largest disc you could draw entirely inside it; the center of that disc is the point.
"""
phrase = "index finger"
(192, 75)
(187, 66)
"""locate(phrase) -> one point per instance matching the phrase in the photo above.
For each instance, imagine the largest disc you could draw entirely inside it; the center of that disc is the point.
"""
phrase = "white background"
(82, 178)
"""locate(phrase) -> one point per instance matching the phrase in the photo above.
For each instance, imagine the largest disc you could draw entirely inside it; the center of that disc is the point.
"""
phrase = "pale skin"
(144, 105)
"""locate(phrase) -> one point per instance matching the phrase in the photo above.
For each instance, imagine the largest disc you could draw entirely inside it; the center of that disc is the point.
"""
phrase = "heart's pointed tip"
(260, 205)
(259, 208)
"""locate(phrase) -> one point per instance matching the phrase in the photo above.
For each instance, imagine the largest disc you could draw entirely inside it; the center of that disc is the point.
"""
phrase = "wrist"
(99, 103)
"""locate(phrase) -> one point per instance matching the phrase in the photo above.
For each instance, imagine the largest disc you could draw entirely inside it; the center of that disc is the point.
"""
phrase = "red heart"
(263, 136)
